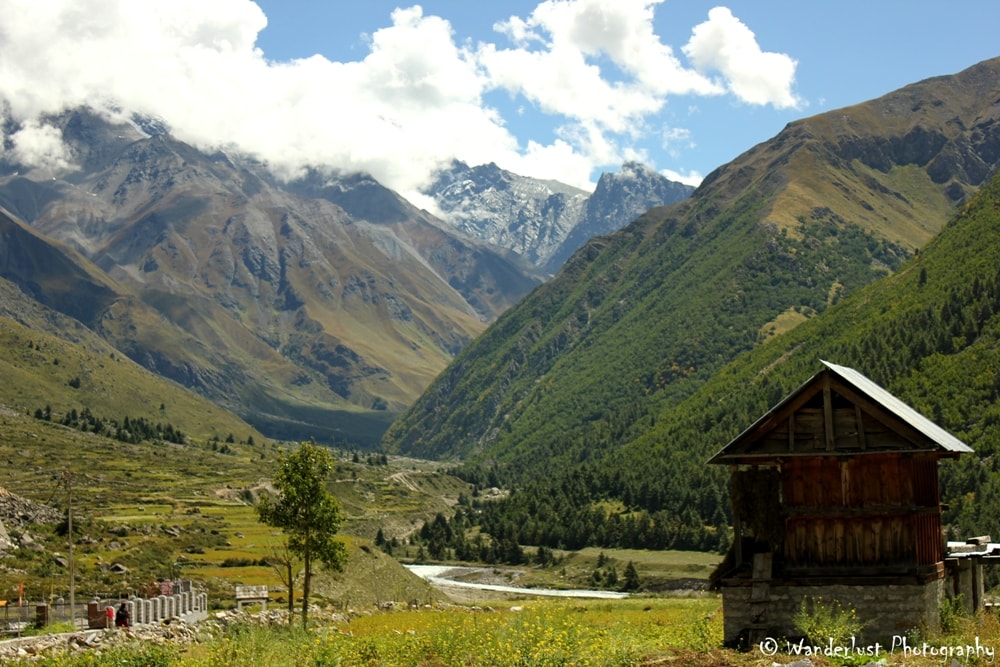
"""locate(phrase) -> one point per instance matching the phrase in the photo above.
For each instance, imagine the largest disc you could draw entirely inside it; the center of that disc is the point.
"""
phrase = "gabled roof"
(920, 433)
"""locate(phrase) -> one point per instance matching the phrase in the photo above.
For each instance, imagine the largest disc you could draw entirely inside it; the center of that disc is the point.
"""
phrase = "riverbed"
(443, 576)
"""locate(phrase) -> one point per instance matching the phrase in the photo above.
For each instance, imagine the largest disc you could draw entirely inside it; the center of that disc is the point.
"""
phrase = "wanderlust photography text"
(899, 644)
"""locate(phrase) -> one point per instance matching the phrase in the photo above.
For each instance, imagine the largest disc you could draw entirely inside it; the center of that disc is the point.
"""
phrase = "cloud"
(554, 63)
(572, 31)
(415, 101)
(41, 146)
(692, 178)
(724, 44)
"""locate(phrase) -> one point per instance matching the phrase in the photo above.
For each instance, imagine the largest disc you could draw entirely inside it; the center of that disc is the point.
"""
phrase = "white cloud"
(725, 44)
(562, 75)
(687, 178)
(672, 136)
(413, 103)
(559, 160)
(41, 146)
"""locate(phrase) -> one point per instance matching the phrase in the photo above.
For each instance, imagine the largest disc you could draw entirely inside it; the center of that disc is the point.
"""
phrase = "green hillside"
(638, 320)
(148, 510)
(930, 334)
(61, 365)
(163, 480)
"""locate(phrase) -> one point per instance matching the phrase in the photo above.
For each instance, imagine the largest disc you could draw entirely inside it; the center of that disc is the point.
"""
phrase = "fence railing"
(177, 599)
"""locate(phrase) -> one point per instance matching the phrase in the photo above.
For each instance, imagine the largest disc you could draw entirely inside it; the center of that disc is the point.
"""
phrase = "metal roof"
(934, 432)
(989, 550)
(876, 394)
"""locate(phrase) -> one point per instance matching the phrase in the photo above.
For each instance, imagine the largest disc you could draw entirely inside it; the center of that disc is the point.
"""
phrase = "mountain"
(638, 320)
(930, 334)
(52, 362)
(544, 221)
(528, 216)
(269, 298)
(54, 275)
(618, 199)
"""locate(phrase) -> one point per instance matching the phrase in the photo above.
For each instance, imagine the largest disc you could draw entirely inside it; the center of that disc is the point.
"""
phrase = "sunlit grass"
(654, 567)
(536, 633)
(540, 633)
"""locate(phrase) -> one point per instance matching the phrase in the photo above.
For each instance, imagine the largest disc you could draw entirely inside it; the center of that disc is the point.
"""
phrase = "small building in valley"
(835, 498)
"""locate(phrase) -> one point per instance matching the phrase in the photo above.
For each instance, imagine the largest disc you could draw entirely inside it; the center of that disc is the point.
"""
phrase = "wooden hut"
(835, 498)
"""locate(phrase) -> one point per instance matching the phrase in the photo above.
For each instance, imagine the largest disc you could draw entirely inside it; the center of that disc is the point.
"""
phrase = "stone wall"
(966, 582)
(886, 610)
(189, 606)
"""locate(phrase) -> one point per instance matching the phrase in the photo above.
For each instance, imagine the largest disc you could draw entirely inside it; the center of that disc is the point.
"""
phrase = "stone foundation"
(887, 610)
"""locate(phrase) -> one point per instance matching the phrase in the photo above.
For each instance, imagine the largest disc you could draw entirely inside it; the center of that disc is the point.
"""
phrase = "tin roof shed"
(835, 494)
(838, 411)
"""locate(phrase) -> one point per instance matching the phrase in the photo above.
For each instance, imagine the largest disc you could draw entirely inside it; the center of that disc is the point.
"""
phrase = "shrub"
(118, 656)
(952, 612)
(821, 622)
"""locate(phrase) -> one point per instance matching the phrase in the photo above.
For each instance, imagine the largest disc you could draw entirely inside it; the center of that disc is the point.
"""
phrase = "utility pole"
(68, 476)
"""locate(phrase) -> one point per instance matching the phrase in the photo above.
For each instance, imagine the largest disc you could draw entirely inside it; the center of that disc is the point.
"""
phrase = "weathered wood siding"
(851, 430)
(866, 510)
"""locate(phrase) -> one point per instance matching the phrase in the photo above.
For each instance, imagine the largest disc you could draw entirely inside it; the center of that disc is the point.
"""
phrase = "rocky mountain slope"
(618, 199)
(544, 222)
(528, 216)
(319, 307)
(53, 363)
(638, 320)
(19, 512)
(274, 301)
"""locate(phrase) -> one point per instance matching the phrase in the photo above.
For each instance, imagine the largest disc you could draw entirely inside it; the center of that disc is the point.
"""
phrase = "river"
(437, 575)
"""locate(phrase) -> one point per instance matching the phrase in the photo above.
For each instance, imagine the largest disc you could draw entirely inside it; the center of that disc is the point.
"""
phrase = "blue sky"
(560, 89)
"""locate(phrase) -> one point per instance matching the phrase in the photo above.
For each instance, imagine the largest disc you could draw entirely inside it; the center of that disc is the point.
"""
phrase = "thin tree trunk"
(291, 592)
(305, 589)
(283, 564)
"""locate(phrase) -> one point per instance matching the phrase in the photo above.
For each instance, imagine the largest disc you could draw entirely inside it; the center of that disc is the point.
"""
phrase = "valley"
(148, 511)
(173, 321)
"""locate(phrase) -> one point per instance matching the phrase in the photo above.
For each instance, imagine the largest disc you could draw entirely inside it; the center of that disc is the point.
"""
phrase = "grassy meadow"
(640, 632)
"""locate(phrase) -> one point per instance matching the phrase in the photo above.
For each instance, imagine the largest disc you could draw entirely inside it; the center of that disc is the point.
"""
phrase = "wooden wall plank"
(828, 414)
